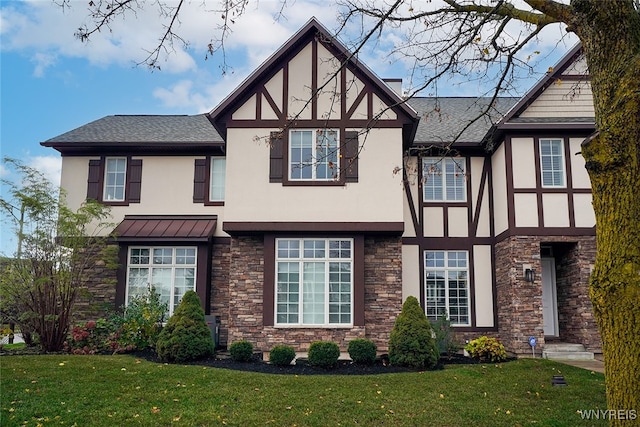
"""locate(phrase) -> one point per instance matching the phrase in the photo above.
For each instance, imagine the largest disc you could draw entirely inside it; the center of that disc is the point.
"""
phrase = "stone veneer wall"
(246, 277)
(97, 296)
(575, 311)
(383, 287)
(220, 268)
(520, 303)
(383, 298)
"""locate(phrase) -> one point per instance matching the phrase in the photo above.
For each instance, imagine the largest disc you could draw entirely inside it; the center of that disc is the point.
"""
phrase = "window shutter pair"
(349, 162)
(95, 180)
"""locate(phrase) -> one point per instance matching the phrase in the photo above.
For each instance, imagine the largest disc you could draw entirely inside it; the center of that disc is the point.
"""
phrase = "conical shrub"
(186, 335)
(411, 342)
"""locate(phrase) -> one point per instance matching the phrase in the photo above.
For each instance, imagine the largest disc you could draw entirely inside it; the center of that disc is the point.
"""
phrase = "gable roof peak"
(313, 29)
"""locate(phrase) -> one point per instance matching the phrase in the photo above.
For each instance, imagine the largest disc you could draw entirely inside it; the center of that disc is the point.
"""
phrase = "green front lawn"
(122, 390)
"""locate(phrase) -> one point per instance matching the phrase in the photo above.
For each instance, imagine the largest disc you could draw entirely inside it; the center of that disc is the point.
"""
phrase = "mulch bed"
(302, 367)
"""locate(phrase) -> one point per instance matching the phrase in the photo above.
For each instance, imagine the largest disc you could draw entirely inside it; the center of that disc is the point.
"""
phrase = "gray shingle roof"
(441, 119)
(142, 129)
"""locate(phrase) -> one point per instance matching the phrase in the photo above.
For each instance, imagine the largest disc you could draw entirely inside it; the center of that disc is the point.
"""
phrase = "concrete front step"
(563, 346)
(568, 355)
(566, 351)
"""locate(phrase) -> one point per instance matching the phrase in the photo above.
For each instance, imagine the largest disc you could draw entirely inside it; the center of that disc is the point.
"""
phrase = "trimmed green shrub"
(444, 337)
(486, 349)
(186, 335)
(282, 355)
(362, 350)
(241, 351)
(324, 353)
(141, 323)
(411, 341)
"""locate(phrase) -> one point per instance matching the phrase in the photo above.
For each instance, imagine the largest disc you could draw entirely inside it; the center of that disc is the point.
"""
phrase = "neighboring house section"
(313, 200)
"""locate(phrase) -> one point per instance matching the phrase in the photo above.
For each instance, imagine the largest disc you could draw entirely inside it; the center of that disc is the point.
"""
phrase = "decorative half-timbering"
(315, 198)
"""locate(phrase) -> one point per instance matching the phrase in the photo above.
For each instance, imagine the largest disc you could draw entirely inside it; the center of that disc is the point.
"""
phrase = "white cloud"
(44, 31)
(42, 61)
(49, 166)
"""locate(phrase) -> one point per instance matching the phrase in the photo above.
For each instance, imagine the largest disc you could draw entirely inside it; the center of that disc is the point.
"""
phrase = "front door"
(549, 298)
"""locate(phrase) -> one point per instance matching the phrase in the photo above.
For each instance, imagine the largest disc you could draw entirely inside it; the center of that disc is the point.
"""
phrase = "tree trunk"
(610, 35)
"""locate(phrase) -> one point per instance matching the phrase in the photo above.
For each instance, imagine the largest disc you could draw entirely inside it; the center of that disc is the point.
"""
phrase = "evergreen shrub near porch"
(411, 342)
(186, 335)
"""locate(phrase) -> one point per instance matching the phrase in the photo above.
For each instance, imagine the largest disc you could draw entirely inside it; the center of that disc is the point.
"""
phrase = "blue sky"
(52, 83)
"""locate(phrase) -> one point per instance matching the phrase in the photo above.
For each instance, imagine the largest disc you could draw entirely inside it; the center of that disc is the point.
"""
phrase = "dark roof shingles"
(142, 129)
(441, 119)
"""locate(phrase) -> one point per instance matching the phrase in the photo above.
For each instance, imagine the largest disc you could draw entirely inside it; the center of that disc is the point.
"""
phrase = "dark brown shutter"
(350, 156)
(94, 181)
(199, 180)
(276, 157)
(135, 180)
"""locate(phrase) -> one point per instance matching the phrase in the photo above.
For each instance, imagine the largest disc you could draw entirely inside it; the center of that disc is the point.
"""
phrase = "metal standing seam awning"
(138, 228)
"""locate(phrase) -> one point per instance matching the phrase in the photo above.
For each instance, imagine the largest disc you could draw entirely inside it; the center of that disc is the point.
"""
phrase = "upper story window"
(552, 162)
(313, 154)
(115, 181)
(444, 179)
(115, 175)
(209, 180)
(217, 179)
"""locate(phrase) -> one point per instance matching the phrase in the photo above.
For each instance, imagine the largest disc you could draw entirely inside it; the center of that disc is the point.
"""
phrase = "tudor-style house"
(313, 200)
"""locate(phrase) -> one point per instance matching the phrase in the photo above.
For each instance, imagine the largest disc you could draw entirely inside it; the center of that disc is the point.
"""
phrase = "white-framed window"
(314, 282)
(171, 271)
(552, 162)
(115, 178)
(447, 286)
(444, 179)
(314, 154)
(217, 179)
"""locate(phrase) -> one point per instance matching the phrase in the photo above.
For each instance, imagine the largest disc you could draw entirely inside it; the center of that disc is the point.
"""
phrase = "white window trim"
(124, 185)
(314, 133)
(212, 181)
(562, 162)
(460, 163)
(301, 260)
(152, 265)
(446, 269)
